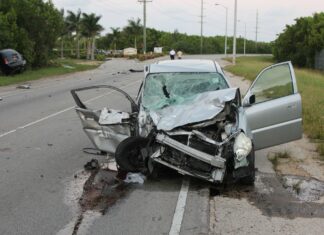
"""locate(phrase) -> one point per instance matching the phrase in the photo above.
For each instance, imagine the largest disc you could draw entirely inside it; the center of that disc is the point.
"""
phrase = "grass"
(310, 85)
(276, 158)
(57, 67)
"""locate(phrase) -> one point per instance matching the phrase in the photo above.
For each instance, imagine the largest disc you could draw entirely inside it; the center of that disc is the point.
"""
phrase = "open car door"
(272, 107)
(106, 127)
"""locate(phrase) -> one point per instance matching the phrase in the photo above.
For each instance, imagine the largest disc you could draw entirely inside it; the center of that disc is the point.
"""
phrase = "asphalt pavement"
(41, 163)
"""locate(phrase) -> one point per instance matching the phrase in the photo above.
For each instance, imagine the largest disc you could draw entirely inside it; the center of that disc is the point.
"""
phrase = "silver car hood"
(205, 106)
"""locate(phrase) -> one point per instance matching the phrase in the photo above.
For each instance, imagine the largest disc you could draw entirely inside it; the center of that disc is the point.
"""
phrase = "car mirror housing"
(252, 99)
(249, 100)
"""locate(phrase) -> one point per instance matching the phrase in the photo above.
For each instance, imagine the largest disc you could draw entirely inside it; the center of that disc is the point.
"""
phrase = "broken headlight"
(242, 146)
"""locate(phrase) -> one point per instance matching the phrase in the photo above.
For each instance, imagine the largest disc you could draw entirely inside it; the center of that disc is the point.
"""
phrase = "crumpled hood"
(203, 107)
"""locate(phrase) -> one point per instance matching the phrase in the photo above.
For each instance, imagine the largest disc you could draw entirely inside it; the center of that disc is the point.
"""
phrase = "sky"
(184, 15)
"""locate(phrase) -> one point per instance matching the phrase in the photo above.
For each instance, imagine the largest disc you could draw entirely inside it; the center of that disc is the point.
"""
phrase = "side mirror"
(252, 99)
(248, 101)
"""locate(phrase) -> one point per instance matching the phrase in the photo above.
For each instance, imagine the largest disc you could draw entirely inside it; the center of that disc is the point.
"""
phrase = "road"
(41, 162)
(42, 177)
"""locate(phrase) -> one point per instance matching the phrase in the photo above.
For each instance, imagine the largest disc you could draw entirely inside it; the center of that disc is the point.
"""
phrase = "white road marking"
(60, 112)
(180, 208)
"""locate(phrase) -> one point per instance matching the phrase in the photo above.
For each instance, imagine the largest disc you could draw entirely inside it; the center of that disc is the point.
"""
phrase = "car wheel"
(128, 154)
(249, 179)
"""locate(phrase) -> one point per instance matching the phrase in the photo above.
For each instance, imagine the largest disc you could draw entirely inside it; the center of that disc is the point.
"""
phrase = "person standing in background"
(179, 55)
(172, 54)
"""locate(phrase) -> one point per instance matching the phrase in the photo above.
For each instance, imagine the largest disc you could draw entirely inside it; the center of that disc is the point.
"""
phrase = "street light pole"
(244, 38)
(226, 8)
(234, 37)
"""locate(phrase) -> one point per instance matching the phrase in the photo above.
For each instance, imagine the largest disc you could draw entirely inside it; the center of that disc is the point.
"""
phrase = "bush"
(300, 42)
(100, 57)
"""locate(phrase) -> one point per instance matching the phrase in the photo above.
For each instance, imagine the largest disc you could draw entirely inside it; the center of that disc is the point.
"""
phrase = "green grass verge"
(57, 67)
(310, 85)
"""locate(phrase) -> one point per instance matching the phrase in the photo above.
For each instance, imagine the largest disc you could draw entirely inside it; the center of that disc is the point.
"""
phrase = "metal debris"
(92, 165)
(136, 70)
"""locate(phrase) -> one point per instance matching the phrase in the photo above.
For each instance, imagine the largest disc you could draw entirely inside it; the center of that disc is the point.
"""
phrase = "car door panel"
(105, 137)
(277, 117)
(275, 122)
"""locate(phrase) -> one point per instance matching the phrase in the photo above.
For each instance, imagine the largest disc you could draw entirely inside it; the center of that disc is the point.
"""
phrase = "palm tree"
(115, 34)
(90, 29)
(74, 25)
(64, 33)
(134, 28)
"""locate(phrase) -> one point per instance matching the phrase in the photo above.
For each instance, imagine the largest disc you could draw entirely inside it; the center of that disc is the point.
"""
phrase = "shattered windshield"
(165, 89)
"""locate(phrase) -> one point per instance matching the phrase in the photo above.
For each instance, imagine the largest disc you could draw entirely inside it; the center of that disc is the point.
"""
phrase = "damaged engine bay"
(193, 129)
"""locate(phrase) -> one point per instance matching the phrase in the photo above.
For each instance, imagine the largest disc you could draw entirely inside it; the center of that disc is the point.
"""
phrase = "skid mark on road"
(61, 111)
(180, 208)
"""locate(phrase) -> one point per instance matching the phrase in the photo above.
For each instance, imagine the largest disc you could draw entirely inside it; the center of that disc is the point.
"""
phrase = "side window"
(273, 83)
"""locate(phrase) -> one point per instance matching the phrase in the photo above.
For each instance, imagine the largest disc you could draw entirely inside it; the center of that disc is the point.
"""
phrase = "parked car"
(187, 117)
(11, 61)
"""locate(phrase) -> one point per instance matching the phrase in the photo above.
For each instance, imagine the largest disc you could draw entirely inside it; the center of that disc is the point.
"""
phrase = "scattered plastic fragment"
(24, 86)
(68, 66)
(136, 178)
(92, 165)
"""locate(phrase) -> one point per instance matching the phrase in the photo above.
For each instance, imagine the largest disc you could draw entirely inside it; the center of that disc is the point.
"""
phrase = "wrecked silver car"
(187, 117)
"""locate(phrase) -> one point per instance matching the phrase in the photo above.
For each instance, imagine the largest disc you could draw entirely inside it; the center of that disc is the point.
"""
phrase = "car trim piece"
(277, 125)
(82, 105)
(212, 160)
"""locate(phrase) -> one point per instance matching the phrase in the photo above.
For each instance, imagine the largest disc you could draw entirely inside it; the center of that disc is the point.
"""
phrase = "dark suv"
(11, 61)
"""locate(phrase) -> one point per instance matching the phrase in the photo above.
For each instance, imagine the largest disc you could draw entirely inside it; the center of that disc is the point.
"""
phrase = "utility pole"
(234, 37)
(201, 26)
(256, 31)
(144, 24)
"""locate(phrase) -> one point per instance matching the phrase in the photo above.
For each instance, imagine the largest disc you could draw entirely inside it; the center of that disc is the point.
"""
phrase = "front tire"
(249, 179)
(128, 154)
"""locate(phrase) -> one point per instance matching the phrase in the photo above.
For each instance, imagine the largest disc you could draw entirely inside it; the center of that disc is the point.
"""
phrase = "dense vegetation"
(300, 42)
(131, 36)
(41, 32)
(31, 27)
(36, 27)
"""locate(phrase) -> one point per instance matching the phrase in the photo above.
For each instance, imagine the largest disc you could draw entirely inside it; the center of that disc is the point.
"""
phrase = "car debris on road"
(188, 118)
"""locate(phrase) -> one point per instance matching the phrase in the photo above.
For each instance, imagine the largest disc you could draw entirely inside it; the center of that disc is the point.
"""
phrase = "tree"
(35, 26)
(115, 35)
(133, 30)
(90, 29)
(300, 42)
(74, 25)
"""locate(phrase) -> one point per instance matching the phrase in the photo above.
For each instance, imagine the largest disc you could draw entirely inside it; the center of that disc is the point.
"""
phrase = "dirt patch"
(303, 160)
(90, 62)
(274, 200)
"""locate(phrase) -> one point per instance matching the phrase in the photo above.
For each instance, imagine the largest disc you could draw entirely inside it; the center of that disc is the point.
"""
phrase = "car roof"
(8, 51)
(184, 65)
